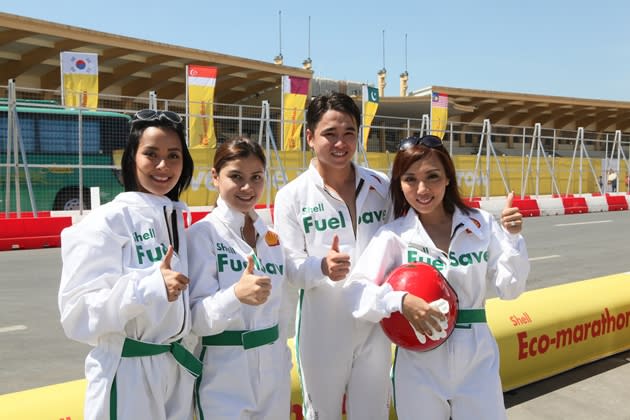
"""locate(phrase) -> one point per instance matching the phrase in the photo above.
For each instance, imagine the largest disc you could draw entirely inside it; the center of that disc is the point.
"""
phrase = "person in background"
(237, 271)
(124, 284)
(460, 378)
(325, 218)
(612, 180)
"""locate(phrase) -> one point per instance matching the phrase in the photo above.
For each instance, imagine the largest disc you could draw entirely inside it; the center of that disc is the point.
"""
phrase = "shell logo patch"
(272, 239)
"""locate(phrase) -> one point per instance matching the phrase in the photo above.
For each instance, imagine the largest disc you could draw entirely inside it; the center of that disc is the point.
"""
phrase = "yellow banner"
(439, 113)
(370, 105)
(80, 90)
(294, 94)
(293, 118)
(79, 79)
(370, 113)
(202, 193)
(201, 81)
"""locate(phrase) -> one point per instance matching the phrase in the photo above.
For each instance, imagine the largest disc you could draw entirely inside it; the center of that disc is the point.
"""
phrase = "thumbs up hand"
(511, 217)
(252, 289)
(336, 264)
(174, 281)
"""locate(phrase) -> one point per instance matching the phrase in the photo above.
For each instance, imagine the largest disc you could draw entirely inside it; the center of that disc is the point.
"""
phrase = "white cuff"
(393, 301)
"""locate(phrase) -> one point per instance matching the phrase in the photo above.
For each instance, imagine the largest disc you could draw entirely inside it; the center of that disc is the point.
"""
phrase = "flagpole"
(431, 113)
(63, 90)
(187, 112)
(282, 87)
(364, 93)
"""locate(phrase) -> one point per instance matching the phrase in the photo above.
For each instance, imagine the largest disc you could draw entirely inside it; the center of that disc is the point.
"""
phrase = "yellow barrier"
(56, 402)
(548, 331)
(542, 333)
(202, 193)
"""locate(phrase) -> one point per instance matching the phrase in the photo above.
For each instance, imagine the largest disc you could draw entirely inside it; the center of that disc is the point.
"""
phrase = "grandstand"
(508, 128)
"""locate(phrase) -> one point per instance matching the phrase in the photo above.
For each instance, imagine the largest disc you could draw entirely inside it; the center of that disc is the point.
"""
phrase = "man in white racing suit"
(325, 218)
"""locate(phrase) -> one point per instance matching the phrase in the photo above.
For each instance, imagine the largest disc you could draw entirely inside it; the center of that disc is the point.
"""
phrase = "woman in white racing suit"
(237, 272)
(460, 378)
(124, 284)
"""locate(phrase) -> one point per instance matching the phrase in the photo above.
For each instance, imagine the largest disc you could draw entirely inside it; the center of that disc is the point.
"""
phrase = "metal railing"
(490, 159)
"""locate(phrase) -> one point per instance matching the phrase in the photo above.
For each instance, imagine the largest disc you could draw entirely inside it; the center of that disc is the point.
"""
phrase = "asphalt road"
(35, 352)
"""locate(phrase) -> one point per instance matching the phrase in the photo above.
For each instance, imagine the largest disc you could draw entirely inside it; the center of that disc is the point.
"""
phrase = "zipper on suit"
(173, 237)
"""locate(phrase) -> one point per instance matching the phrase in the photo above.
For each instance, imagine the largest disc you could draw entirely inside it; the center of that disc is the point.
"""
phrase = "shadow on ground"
(546, 386)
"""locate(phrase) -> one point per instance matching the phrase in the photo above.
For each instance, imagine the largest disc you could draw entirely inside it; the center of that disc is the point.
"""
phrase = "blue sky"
(575, 48)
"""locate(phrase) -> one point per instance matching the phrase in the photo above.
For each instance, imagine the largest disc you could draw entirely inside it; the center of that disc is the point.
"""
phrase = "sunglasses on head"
(152, 115)
(428, 141)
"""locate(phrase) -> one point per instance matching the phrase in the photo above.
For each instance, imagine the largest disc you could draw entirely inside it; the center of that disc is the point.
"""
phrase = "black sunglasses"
(428, 141)
(152, 115)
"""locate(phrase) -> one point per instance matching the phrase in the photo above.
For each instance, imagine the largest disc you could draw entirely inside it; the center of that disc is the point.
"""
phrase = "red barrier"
(474, 203)
(528, 207)
(35, 242)
(264, 206)
(574, 205)
(13, 215)
(616, 202)
(195, 216)
(30, 232)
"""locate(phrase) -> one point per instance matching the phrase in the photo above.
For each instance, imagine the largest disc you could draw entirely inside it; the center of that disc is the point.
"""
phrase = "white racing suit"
(337, 354)
(113, 297)
(246, 360)
(459, 379)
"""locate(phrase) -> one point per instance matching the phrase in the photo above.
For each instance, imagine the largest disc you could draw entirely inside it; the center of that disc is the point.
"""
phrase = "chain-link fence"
(50, 156)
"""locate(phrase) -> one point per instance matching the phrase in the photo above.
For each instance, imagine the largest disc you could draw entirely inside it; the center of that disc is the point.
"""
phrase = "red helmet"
(425, 281)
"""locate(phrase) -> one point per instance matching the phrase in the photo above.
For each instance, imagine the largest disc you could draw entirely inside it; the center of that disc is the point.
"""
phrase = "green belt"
(246, 338)
(469, 316)
(135, 348)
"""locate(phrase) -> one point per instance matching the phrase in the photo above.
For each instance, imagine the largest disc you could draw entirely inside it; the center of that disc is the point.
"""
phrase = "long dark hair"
(407, 157)
(128, 163)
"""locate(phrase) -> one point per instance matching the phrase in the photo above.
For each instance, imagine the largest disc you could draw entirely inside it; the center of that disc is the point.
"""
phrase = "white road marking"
(12, 328)
(584, 223)
(546, 257)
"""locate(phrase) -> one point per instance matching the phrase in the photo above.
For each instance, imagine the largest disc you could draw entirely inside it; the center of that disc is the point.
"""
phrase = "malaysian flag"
(439, 100)
(439, 113)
